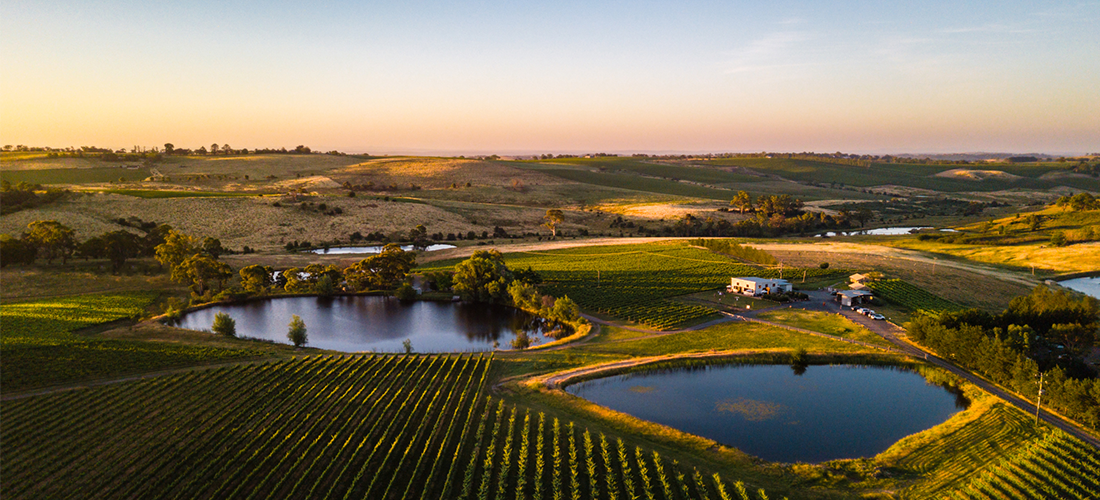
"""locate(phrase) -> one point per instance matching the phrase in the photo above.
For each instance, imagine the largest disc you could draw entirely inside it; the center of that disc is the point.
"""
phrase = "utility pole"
(1039, 398)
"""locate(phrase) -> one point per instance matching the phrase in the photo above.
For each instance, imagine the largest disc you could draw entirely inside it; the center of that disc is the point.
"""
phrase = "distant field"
(700, 174)
(153, 194)
(639, 183)
(904, 174)
(95, 175)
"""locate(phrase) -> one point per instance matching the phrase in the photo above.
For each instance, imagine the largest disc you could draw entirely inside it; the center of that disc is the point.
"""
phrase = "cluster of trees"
(383, 271)
(194, 262)
(1044, 331)
(14, 198)
(484, 277)
(1078, 202)
(51, 240)
(225, 149)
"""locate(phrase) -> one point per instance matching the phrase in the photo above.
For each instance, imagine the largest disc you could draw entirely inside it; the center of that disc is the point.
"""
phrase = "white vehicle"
(875, 315)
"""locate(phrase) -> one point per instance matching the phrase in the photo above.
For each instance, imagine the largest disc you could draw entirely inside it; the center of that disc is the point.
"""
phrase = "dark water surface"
(828, 412)
(365, 323)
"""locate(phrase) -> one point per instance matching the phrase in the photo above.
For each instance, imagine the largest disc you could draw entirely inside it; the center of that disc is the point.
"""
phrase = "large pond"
(375, 249)
(373, 323)
(1087, 286)
(882, 231)
(826, 413)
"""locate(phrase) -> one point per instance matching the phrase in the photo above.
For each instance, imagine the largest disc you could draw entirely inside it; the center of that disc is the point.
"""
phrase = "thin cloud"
(772, 51)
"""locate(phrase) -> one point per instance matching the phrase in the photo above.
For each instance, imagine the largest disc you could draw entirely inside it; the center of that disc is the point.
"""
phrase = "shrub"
(224, 325)
(823, 265)
(405, 291)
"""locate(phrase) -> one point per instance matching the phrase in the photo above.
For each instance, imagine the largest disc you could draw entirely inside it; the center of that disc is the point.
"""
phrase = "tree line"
(1044, 332)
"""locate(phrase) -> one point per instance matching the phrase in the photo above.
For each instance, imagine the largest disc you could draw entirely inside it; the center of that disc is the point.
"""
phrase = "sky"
(518, 77)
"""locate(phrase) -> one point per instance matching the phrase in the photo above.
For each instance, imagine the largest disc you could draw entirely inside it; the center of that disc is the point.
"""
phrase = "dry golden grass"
(251, 221)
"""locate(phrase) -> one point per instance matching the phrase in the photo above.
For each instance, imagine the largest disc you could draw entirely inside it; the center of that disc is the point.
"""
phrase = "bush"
(405, 291)
(823, 265)
(224, 325)
(522, 341)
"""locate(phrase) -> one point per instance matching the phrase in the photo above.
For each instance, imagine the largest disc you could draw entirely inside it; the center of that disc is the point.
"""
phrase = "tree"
(119, 246)
(14, 251)
(201, 270)
(213, 246)
(177, 247)
(1058, 239)
(224, 325)
(214, 149)
(297, 332)
(51, 239)
(169, 148)
(256, 278)
(405, 291)
(483, 277)
(863, 215)
(553, 217)
(565, 310)
(743, 201)
(1034, 222)
(382, 271)
(418, 236)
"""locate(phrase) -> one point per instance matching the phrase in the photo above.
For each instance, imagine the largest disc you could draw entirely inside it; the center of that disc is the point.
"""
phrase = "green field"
(830, 324)
(39, 346)
(321, 427)
(95, 175)
(635, 282)
(639, 183)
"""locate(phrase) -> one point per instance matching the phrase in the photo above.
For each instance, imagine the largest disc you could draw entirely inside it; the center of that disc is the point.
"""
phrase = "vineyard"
(634, 282)
(39, 348)
(1056, 466)
(911, 297)
(364, 426)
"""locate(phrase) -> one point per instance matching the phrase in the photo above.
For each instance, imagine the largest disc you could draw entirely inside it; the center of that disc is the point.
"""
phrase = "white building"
(852, 297)
(752, 286)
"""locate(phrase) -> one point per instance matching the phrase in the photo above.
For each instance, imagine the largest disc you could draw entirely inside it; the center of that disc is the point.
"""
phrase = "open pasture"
(93, 175)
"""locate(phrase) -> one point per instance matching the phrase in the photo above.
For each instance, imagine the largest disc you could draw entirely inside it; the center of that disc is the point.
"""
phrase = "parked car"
(876, 315)
(860, 310)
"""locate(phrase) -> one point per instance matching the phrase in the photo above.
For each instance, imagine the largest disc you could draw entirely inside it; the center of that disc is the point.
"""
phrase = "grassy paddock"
(93, 175)
(831, 324)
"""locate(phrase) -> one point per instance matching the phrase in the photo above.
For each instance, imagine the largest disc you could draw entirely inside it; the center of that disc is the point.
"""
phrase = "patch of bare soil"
(440, 173)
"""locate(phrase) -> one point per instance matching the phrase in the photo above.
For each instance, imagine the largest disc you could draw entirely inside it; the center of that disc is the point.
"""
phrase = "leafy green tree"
(224, 325)
(177, 247)
(1034, 222)
(418, 236)
(91, 248)
(297, 332)
(405, 291)
(863, 215)
(1058, 239)
(1083, 201)
(552, 218)
(382, 271)
(51, 239)
(202, 271)
(483, 277)
(294, 282)
(524, 296)
(743, 201)
(256, 278)
(565, 310)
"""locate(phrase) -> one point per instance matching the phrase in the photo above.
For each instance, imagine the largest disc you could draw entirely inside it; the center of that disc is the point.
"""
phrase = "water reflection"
(381, 324)
(829, 412)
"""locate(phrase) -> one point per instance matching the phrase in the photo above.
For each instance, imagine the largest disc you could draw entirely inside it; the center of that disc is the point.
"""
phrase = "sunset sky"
(467, 77)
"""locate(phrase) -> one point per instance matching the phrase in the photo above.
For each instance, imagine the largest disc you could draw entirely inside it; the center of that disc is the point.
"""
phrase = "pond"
(882, 231)
(374, 323)
(1087, 286)
(374, 249)
(826, 413)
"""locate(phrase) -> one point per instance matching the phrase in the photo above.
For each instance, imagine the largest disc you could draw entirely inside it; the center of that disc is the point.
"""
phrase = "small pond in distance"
(829, 412)
(366, 323)
(1087, 286)
(375, 249)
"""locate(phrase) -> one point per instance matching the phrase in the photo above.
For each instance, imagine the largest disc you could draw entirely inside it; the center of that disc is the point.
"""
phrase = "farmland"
(634, 282)
(220, 417)
(393, 427)
(911, 297)
(40, 347)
